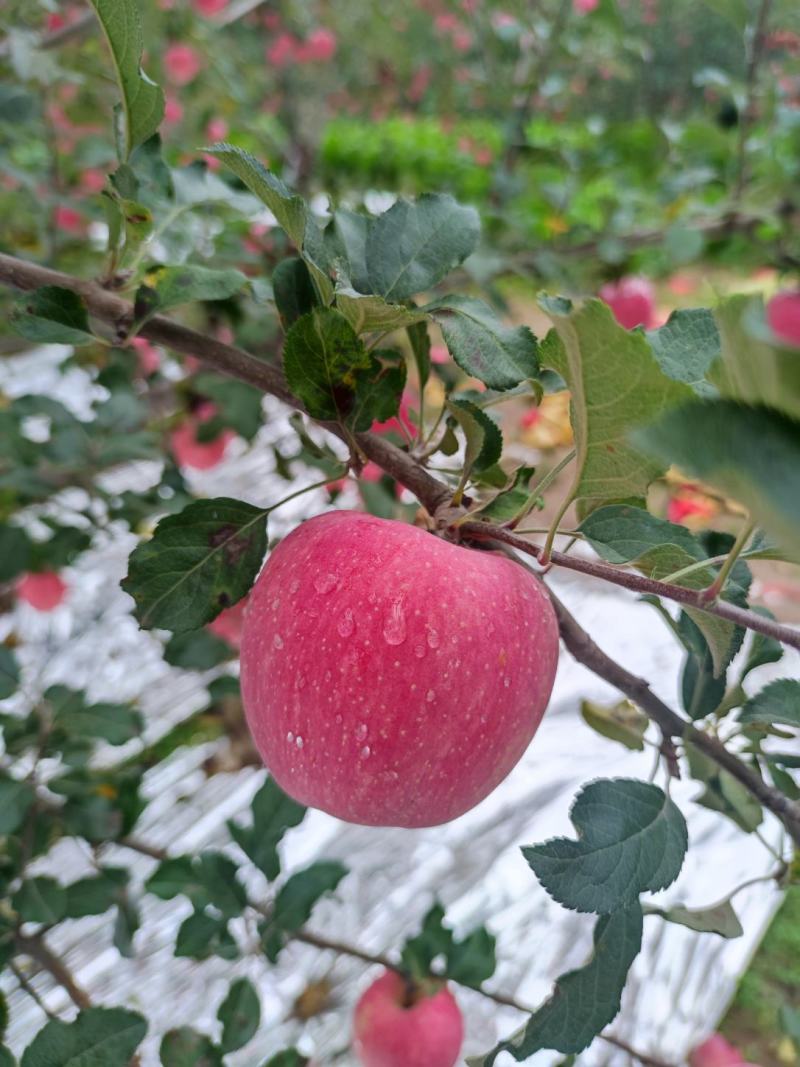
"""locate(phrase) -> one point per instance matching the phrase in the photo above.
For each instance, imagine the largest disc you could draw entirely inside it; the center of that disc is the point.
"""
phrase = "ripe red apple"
(44, 590)
(715, 1051)
(228, 624)
(783, 316)
(200, 455)
(396, 1027)
(632, 301)
(391, 677)
(181, 64)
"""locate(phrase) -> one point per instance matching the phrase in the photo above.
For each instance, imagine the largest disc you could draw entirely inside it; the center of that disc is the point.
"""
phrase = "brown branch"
(35, 947)
(27, 987)
(751, 620)
(344, 949)
(585, 651)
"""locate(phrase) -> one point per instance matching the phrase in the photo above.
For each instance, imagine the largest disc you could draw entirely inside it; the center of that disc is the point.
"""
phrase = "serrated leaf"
(295, 902)
(657, 548)
(273, 814)
(723, 793)
(201, 936)
(185, 1047)
(413, 245)
(585, 1000)
(506, 504)
(289, 209)
(483, 436)
(615, 385)
(749, 453)
(686, 346)
(198, 562)
(9, 673)
(702, 688)
(367, 313)
(631, 839)
(622, 722)
(40, 900)
(471, 961)
(142, 99)
(293, 290)
(52, 315)
(240, 1015)
(778, 702)
(498, 355)
(15, 800)
(167, 287)
(107, 1036)
(719, 919)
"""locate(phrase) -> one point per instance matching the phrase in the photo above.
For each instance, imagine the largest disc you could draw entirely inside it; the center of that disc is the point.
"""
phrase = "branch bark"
(38, 950)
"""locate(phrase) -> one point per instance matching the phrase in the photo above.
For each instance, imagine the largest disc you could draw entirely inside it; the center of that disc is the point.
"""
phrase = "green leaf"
(702, 688)
(186, 1047)
(749, 453)
(207, 879)
(762, 649)
(723, 793)
(288, 208)
(631, 839)
(94, 896)
(719, 919)
(290, 1057)
(293, 290)
(9, 673)
(686, 346)
(7, 1058)
(51, 315)
(752, 369)
(347, 238)
(240, 1015)
(420, 342)
(484, 440)
(196, 650)
(107, 1036)
(367, 313)
(273, 814)
(506, 504)
(238, 405)
(585, 1000)
(15, 800)
(167, 287)
(198, 562)
(15, 547)
(142, 99)
(296, 900)
(622, 722)
(790, 1022)
(114, 723)
(778, 702)
(414, 245)
(657, 548)
(615, 384)
(201, 936)
(40, 900)
(469, 962)
(434, 939)
(126, 922)
(500, 356)
(472, 960)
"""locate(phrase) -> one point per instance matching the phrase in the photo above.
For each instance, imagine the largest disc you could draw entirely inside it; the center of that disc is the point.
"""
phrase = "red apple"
(402, 423)
(396, 1027)
(44, 590)
(148, 359)
(632, 301)
(228, 624)
(210, 7)
(181, 64)
(200, 455)
(319, 47)
(391, 677)
(783, 316)
(715, 1051)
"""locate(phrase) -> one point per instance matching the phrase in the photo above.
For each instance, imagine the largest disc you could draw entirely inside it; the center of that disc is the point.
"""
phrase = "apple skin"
(199, 455)
(228, 624)
(44, 590)
(716, 1051)
(632, 300)
(783, 316)
(389, 677)
(429, 1033)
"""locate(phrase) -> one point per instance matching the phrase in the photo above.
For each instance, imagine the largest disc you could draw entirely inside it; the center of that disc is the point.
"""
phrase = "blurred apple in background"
(632, 301)
(44, 590)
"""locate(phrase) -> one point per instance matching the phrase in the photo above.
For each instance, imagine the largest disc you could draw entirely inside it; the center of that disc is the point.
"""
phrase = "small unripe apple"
(395, 1026)
(632, 300)
(44, 590)
(783, 316)
(191, 452)
(716, 1051)
(391, 677)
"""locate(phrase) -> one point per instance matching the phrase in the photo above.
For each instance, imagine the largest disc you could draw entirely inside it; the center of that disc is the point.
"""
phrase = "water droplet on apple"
(276, 603)
(290, 737)
(346, 624)
(300, 681)
(324, 583)
(298, 741)
(361, 731)
(295, 585)
(394, 625)
(338, 718)
(365, 752)
(419, 651)
(277, 641)
(506, 682)
(430, 696)
(433, 637)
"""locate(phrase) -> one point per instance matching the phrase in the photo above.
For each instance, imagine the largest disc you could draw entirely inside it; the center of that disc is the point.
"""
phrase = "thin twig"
(35, 947)
(26, 986)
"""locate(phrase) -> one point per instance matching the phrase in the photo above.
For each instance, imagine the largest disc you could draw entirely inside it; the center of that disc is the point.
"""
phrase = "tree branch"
(585, 651)
(35, 947)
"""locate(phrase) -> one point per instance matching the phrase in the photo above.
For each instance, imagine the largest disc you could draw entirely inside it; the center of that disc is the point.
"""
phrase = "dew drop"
(433, 637)
(324, 583)
(327, 676)
(346, 624)
(276, 603)
(419, 651)
(300, 681)
(295, 585)
(394, 625)
(277, 641)
(361, 731)
(366, 751)
(298, 741)
(290, 737)
(430, 696)
(338, 719)
(506, 682)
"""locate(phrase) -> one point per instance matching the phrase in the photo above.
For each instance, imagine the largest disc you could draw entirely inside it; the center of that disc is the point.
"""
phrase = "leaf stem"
(537, 491)
(713, 591)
